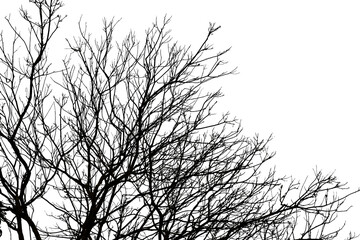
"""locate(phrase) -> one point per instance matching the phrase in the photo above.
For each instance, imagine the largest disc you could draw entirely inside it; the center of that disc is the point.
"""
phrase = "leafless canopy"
(129, 145)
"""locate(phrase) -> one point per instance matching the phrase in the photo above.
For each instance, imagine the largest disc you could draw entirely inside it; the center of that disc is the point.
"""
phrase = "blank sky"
(298, 64)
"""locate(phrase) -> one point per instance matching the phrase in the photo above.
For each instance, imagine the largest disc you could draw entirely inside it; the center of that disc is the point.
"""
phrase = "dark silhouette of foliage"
(130, 146)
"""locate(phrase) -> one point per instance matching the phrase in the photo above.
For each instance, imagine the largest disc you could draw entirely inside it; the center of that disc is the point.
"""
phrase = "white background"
(298, 64)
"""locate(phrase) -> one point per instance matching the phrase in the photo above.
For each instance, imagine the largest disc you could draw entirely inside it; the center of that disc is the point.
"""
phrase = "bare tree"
(136, 150)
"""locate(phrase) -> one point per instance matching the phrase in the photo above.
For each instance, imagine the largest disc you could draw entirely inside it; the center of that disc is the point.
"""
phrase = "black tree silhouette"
(130, 146)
